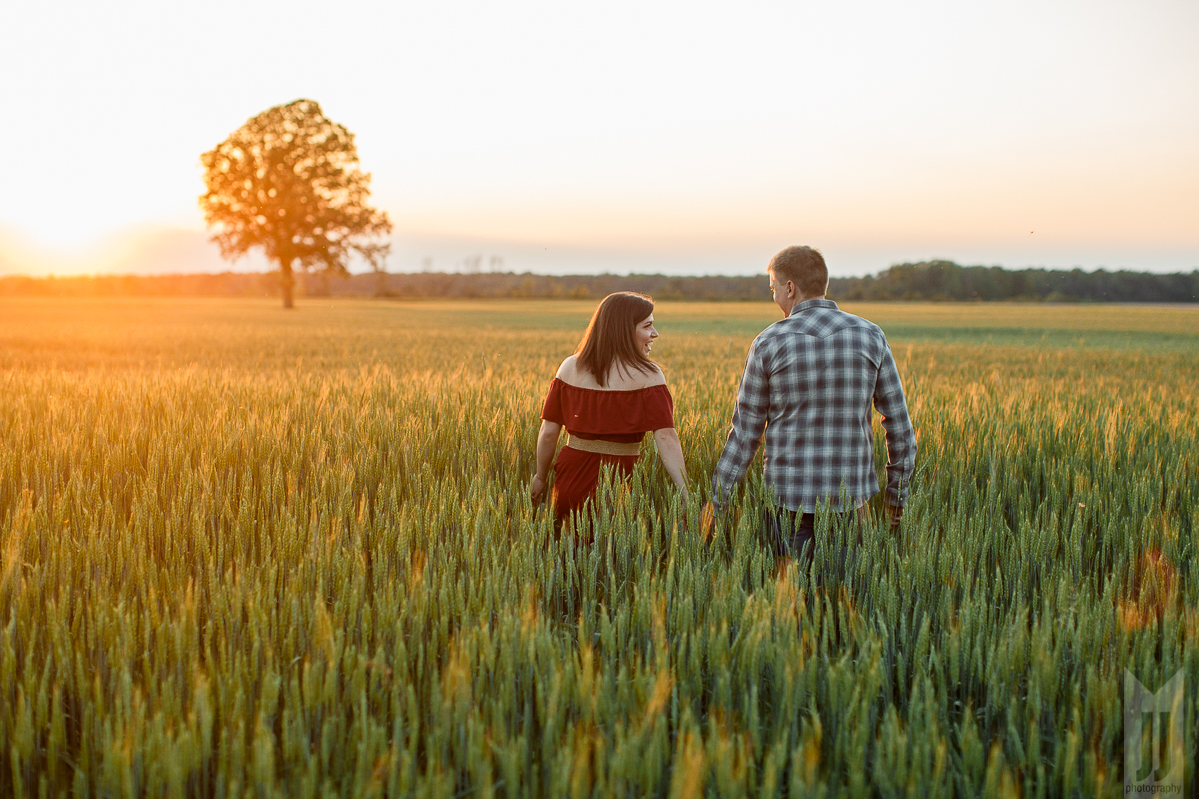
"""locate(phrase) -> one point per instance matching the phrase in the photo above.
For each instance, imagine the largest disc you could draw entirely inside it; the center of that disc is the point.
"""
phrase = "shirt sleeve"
(552, 410)
(901, 438)
(749, 422)
(659, 409)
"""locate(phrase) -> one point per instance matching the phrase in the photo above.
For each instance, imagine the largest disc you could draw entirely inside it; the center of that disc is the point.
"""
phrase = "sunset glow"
(632, 139)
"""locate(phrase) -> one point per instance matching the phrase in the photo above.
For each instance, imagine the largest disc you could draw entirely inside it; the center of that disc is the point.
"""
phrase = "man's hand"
(537, 489)
(894, 515)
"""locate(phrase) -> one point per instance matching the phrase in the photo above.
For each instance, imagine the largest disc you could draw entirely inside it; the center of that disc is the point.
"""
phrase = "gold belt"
(601, 447)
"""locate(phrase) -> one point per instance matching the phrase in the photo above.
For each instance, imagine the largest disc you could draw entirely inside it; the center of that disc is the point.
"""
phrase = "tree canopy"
(288, 181)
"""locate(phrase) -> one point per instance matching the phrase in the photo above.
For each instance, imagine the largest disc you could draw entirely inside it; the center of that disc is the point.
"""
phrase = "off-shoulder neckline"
(609, 390)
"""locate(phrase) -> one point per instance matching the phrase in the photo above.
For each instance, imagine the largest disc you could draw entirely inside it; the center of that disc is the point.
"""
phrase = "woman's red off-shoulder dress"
(620, 416)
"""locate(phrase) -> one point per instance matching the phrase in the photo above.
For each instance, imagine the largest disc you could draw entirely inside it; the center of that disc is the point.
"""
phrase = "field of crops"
(245, 552)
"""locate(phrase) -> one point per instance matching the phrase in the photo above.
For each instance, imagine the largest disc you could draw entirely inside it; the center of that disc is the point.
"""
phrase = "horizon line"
(485, 273)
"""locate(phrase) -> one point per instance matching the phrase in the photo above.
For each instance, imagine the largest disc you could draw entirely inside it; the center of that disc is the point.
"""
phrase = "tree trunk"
(288, 281)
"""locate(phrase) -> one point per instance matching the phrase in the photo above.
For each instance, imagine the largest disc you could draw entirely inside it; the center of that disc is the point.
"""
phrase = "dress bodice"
(611, 415)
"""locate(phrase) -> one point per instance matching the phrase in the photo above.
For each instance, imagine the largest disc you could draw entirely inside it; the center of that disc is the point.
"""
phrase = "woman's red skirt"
(576, 475)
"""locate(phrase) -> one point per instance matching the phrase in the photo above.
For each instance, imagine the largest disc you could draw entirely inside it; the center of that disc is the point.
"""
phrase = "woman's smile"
(646, 333)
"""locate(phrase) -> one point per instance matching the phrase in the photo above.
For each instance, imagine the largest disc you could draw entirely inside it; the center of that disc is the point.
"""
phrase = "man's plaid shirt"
(809, 383)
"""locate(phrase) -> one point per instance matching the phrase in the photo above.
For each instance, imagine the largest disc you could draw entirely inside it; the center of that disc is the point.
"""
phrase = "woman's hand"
(537, 489)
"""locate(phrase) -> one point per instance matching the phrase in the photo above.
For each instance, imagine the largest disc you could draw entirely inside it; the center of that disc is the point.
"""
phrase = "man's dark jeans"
(793, 534)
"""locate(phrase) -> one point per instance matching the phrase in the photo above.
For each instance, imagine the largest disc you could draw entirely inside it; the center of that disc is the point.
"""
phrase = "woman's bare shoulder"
(570, 373)
(635, 379)
(655, 377)
(567, 369)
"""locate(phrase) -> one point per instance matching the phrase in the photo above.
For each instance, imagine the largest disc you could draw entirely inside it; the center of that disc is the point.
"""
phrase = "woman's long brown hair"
(611, 336)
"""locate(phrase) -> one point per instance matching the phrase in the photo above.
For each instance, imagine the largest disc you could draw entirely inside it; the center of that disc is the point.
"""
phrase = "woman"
(607, 395)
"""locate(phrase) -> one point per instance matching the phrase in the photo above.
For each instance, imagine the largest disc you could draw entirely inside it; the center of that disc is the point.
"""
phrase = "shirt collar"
(807, 305)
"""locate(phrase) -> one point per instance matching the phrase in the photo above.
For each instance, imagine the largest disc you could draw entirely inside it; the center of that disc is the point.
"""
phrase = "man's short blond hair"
(803, 266)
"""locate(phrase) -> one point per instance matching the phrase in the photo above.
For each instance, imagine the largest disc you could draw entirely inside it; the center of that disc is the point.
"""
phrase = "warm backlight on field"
(253, 552)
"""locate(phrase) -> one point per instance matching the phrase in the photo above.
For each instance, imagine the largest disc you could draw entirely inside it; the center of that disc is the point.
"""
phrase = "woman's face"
(646, 334)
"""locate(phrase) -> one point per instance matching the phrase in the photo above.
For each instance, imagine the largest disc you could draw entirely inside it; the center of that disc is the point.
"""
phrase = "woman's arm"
(547, 448)
(670, 450)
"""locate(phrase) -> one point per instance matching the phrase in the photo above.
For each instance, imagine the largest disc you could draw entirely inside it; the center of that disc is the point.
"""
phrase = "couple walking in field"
(811, 381)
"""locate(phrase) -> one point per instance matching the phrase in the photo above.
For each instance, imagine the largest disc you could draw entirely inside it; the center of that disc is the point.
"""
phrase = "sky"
(685, 138)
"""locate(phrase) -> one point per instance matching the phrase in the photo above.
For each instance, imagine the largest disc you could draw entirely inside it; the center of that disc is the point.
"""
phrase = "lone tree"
(288, 181)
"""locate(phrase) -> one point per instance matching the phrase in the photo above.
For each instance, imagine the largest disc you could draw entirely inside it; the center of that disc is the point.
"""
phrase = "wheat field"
(252, 553)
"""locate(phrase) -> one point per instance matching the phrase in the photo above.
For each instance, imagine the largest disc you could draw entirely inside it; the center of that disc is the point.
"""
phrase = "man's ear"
(792, 291)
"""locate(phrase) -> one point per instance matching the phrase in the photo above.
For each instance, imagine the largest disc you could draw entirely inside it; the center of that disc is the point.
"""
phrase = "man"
(809, 383)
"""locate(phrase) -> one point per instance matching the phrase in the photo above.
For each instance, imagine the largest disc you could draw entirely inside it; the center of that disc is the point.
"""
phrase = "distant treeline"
(945, 280)
(931, 280)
